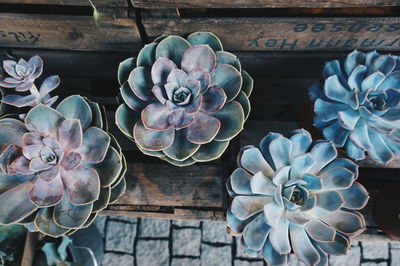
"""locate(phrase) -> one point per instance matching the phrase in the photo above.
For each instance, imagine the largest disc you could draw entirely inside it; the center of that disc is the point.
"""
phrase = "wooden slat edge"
(261, 3)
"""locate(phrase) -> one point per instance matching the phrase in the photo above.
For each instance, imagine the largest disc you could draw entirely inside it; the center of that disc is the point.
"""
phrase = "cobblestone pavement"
(153, 242)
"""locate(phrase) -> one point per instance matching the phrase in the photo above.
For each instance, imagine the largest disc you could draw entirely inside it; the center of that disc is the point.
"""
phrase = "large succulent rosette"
(184, 99)
(293, 195)
(59, 167)
(357, 106)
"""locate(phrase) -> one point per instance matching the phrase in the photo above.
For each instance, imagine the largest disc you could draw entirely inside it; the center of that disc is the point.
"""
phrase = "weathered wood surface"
(288, 33)
(260, 3)
(163, 185)
(97, 3)
(68, 32)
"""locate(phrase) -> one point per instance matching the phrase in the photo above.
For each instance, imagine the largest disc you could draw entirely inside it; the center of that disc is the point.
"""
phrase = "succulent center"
(181, 96)
(297, 197)
(48, 156)
(377, 101)
(21, 70)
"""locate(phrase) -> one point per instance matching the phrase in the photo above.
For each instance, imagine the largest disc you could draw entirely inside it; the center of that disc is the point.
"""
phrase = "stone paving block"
(111, 259)
(186, 242)
(100, 223)
(152, 253)
(154, 228)
(240, 253)
(185, 262)
(125, 219)
(353, 258)
(395, 253)
(371, 263)
(215, 232)
(216, 255)
(375, 250)
(248, 263)
(120, 236)
(183, 223)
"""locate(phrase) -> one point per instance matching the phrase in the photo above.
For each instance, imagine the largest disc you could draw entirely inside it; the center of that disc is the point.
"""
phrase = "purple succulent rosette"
(357, 105)
(293, 195)
(184, 99)
(22, 75)
(58, 167)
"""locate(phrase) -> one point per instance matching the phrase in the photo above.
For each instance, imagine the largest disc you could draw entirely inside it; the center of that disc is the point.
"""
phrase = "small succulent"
(22, 75)
(184, 99)
(357, 106)
(293, 195)
(59, 167)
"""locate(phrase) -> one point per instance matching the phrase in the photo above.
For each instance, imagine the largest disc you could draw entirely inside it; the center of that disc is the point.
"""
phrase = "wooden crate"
(276, 44)
(69, 25)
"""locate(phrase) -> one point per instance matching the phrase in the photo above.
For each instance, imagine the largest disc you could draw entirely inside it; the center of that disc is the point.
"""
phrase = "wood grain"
(68, 32)
(165, 185)
(288, 33)
(259, 3)
(97, 3)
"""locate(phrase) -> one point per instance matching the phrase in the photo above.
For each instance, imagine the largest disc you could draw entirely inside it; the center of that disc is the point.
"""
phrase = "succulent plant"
(184, 99)
(59, 167)
(357, 106)
(22, 75)
(293, 195)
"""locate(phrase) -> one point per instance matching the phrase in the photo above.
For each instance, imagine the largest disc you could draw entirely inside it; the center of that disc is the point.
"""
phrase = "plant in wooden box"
(185, 99)
(357, 105)
(293, 195)
(58, 166)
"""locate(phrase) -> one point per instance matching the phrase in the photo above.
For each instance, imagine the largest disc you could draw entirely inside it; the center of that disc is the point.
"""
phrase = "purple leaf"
(19, 101)
(21, 165)
(45, 194)
(25, 86)
(32, 151)
(213, 99)
(155, 116)
(202, 76)
(83, 185)
(140, 82)
(50, 174)
(161, 69)
(70, 134)
(49, 84)
(180, 119)
(151, 139)
(198, 56)
(71, 161)
(203, 129)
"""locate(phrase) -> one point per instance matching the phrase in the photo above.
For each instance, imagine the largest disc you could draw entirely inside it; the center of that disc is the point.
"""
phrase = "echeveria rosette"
(357, 105)
(22, 75)
(293, 195)
(184, 99)
(58, 167)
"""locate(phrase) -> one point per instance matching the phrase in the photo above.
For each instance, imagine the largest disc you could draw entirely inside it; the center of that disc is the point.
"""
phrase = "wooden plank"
(260, 3)
(68, 32)
(161, 184)
(176, 213)
(288, 33)
(31, 241)
(97, 3)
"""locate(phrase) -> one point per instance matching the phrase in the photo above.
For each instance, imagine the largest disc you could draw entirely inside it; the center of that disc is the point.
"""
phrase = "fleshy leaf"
(207, 38)
(231, 117)
(229, 79)
(76, 107)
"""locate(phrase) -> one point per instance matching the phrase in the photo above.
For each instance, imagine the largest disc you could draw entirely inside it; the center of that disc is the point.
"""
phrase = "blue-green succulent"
(357, 105)
(293, 195)
(184, 99)
(58, 167)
